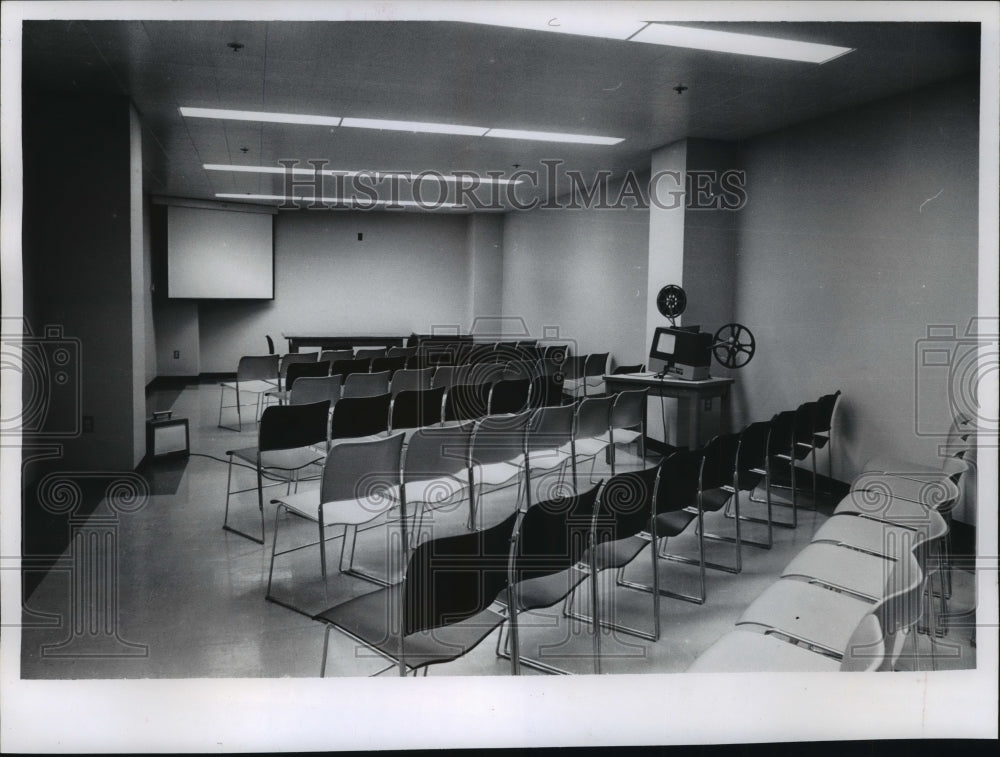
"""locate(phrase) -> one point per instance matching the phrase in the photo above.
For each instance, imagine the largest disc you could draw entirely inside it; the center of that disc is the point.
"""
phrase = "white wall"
(410, 272)
(859, 233)
(583, 271)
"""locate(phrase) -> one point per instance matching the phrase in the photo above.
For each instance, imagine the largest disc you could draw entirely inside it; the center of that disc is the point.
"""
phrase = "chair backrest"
(453, 578)
(752, 453)
(782, 435)
(270, 344)
(391, 364)
(573, 367)
(823, 418)
(444, 375)
(626, 505)
(504, 352)
(300, 370)
(528, 351)
(436, 451)
(403, 352)
(865, 650)
(257, 368)
(518, 369)
(366, 470)
(483, 373)
(293, 426)
(335, 355)
(365, 384)
(550, 427)
(551, 536)
(499, 438)
(480, 353)
(509, 396)
(360, 353)
(805, 416)
(718, 464)
(678, 487)
(900, 608)
(315, 389)
(629, 409)
(464, 402)
(360, 416)
(415, 408)
(622, 369)
(596, 364)
(555, 352)
(546, 390)
(295, 357)
(348, 367)
(593, 416)
(411, 379)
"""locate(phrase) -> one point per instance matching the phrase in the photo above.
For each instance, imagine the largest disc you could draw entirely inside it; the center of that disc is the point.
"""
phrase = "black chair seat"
(713, 500)
(618, 553)
(545, 591)
(673, 523)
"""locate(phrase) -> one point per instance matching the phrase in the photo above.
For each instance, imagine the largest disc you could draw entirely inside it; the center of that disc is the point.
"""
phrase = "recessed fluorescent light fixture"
(418, 126)
(739, 44)
(378, 175)
(552, 136)
(411, 126)
(259, 115)
(606, 26)
(367, 203)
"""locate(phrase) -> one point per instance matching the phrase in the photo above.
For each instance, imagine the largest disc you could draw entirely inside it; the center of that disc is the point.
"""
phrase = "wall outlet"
(88, 424)
(177, 354)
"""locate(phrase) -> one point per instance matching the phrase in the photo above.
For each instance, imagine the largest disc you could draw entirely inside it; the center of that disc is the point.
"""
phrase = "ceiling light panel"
(413, 126)
(364, 204)
(452, 178)
(738, 44)
(258, 115)
(552, 136)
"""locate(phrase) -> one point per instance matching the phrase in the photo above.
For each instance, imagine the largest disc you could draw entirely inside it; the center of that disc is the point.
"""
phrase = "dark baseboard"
(166, 383)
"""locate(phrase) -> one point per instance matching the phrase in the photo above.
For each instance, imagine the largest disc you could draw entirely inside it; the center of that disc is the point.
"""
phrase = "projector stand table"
(689, 394)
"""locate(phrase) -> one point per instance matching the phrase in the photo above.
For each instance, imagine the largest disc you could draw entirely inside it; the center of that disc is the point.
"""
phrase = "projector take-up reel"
(733, 345)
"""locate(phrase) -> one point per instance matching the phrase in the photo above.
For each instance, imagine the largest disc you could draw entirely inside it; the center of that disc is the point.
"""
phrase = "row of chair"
(265, 378)
(292, 439)
(852, 597)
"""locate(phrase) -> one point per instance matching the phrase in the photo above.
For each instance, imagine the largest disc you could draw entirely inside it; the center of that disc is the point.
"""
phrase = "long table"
(689, 394)
(340, 342)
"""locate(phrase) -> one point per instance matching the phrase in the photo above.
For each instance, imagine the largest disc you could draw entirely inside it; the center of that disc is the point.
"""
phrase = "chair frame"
(265, 428)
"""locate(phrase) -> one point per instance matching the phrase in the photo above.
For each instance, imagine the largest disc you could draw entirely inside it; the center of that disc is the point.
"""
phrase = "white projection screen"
(219, 254)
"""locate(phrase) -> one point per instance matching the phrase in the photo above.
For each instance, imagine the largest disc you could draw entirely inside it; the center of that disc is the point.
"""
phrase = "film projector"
(687, 351)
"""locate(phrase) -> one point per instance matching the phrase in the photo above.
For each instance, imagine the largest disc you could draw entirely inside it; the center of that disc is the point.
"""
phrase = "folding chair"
(360, 482)
(496, 455)
(365, 384)
(752, 470)
(746, 651)
(509, 396)
(360, 416)
(548, 446)
(287, 439)
(255, 374)
(592, 431)
(413, 409)
(628, 423)
(546, 566)
(442, 609)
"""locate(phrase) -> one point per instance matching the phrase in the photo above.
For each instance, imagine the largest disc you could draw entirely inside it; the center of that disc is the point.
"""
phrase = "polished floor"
(184, 599)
